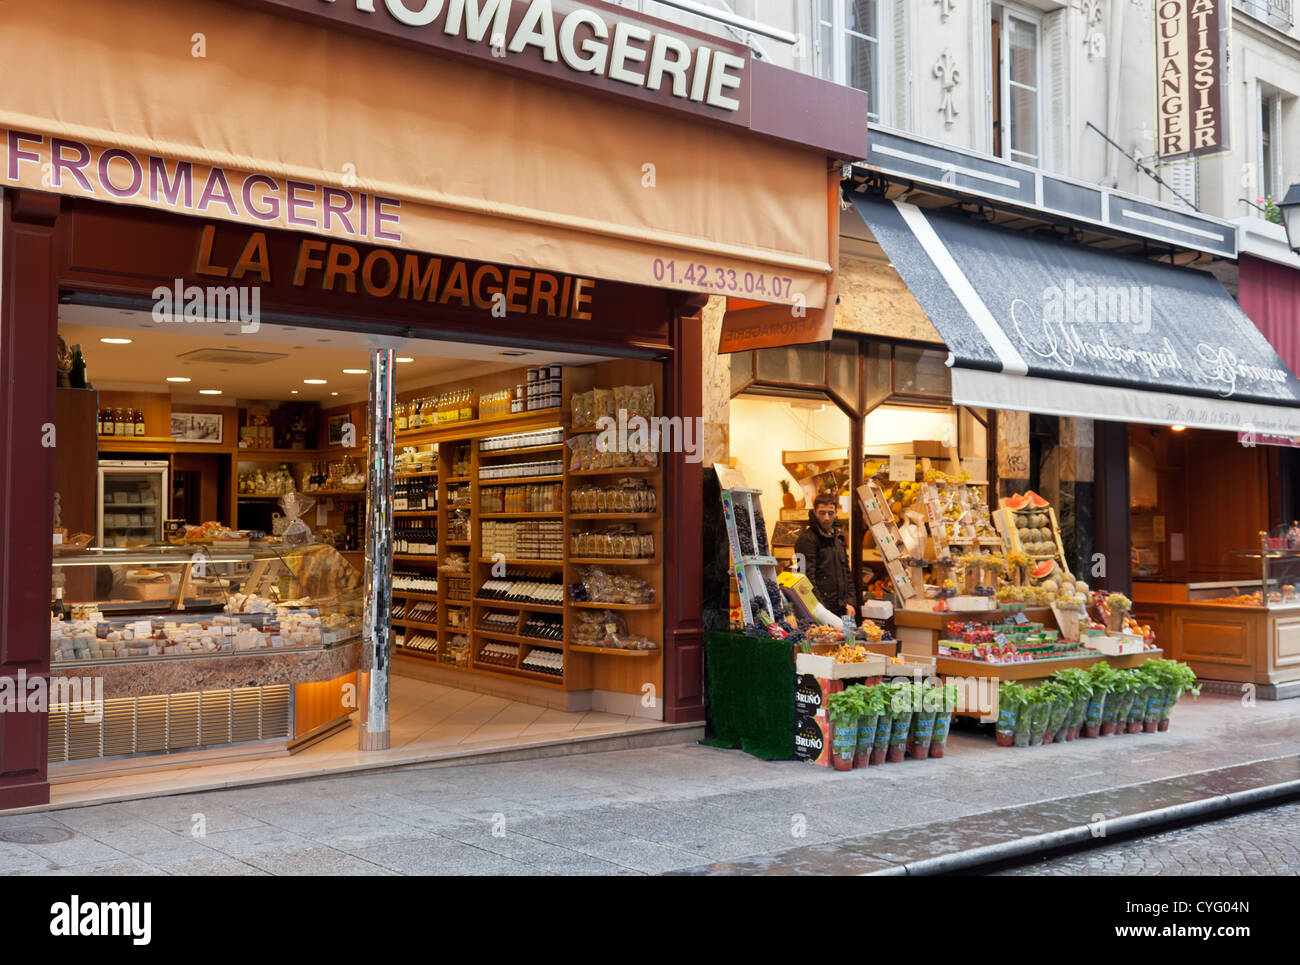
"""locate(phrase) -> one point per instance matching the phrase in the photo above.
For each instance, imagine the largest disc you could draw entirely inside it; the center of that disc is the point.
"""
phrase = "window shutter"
(1055, 97)
(1181, 177)
(902, 68)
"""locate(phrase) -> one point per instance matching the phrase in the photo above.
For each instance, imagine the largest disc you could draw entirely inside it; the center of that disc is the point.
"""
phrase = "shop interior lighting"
(313, 382)
(1178, 428)
(177, 378)
(355, 372)
(209, 391)
(116, 341)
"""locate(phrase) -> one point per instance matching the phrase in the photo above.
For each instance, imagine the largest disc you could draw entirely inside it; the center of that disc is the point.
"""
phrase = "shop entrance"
(536, 590)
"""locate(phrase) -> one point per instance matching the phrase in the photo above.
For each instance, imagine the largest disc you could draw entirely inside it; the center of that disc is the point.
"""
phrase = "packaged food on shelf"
(599, 586)
(590, 627)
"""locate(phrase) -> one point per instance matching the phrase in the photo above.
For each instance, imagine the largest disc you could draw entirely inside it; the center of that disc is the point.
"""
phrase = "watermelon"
(1037, 501)
(1015, 502)
(1044, 569)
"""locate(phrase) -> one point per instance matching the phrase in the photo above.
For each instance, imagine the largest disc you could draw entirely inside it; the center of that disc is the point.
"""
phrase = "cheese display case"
(164, 602)
(190, 648)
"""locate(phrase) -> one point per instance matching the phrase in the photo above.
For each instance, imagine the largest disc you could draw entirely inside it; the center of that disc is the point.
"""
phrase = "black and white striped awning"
(1045, 325)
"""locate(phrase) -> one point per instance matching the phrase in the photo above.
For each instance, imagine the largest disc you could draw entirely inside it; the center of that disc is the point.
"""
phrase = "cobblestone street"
(667, 809)
(1263, 842)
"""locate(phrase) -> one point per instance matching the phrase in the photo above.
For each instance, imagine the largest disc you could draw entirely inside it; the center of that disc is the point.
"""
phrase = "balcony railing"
(1279, 13)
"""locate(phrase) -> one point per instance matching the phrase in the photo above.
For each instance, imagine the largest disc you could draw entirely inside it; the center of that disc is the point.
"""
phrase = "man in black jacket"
(826, 557)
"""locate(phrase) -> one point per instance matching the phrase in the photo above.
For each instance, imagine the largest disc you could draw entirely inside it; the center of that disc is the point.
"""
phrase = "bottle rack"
(419, 637)
(528, 639)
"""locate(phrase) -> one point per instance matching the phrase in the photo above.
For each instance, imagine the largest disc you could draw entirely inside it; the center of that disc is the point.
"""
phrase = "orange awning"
(208, 108)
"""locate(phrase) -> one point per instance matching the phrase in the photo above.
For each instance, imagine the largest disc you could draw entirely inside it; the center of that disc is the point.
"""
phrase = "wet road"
(1265, 842)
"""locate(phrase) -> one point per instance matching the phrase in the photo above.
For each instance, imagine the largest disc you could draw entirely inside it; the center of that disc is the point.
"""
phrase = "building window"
(848, 47)
(1270, 144)
(1016, 83)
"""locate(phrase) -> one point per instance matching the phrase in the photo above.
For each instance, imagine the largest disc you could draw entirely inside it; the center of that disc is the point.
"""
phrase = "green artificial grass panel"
(751, 694)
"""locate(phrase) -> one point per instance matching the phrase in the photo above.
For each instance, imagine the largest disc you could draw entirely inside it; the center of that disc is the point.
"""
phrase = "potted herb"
(1011, 700)
(1061, 703)
(948, 694)
(1040, 713)
(925, 702)
(1101, 705)
(1125, 691)
(901, 701)
(1143, 687)
(871, 705)
(1183, 681)
(884, 722)
(1080, 687)
(845, 709)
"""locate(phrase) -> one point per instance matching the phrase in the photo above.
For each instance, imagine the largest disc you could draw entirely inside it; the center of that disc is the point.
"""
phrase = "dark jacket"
(826, 564)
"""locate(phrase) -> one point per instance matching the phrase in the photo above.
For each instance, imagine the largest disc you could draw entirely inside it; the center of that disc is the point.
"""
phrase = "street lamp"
(1290, 207)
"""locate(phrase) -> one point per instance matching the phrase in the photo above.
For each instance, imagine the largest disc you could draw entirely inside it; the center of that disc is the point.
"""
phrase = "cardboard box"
(972, 604)
(1115, 644)
(873, 503)
(825, 667)
(148, 591)
(878, 610)
(887, 541)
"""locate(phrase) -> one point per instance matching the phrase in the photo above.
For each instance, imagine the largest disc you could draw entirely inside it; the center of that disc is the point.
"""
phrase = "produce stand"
(1028, 671)
(919, 630)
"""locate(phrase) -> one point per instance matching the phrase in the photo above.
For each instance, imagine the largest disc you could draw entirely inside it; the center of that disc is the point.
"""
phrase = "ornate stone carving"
(946, 7)
(1094, 39)
(946, 70)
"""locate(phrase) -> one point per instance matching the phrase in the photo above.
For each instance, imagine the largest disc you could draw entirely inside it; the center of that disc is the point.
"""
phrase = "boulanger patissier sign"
(591, 44)
(1191, 78)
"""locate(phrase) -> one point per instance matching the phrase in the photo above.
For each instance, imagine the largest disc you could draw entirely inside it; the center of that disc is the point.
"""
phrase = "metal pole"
(376, 626)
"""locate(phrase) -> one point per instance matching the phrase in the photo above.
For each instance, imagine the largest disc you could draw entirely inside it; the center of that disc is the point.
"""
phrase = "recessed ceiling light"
(313, 382)
(405, 358)
(1178, 428)
(513, 353)
(293, 391)
(177, 378)
(333, 393)
(356, 371)
(116, 341)
(209, 391)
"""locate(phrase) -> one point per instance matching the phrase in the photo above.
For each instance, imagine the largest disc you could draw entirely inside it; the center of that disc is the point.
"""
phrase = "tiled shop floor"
(430, 722)
(659, 809)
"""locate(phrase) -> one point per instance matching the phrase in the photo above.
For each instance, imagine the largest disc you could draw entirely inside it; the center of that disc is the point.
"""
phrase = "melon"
(1049, 586)
(1022, 522)
(1015, 502)
(1044, 569)
(1081, 586)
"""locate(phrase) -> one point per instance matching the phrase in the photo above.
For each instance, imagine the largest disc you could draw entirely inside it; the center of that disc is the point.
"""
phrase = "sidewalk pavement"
(668, 809)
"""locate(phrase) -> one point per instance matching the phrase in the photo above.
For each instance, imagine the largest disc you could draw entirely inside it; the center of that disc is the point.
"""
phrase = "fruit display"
(1030, 526)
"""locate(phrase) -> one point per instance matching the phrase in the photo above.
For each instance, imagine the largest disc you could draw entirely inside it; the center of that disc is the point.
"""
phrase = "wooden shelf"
(513, 480)
(513, 605)
(458, 542)
(520, 515)
(415, 623)
(413, 436)
(623, 471)
(517, 638)
(430, 655)
(615, 560)
(459, 479)
(416, 557)
(415, 595)
(493, 453)
(415, 512)
(612, 651)
(102, 441)
(615, 606)
(414, 475)
(613, 516)
(550, 564)
(279, 455)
